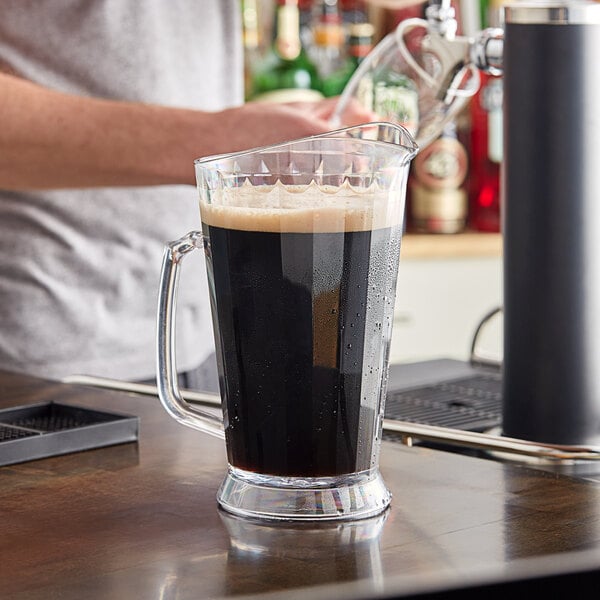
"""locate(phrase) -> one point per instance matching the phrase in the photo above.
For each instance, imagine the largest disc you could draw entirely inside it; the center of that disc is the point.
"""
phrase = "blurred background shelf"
(466, 244)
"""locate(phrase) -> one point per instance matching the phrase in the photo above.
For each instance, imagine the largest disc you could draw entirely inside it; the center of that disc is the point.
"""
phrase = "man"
(104, 105)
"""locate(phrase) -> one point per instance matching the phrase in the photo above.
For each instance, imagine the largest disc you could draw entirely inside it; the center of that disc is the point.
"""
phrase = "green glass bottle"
(395, 98)
(286, 73)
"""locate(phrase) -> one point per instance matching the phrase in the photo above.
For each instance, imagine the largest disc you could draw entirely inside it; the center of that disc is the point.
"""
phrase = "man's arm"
(50, 139)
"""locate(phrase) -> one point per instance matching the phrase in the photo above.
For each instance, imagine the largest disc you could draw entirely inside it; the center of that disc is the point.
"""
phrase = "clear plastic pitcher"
(302, 243)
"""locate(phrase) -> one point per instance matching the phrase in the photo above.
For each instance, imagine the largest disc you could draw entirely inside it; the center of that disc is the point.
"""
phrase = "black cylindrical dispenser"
(551, 222)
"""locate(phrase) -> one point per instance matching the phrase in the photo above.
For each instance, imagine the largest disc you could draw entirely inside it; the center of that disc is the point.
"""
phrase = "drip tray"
(471, 403)
(50, 429)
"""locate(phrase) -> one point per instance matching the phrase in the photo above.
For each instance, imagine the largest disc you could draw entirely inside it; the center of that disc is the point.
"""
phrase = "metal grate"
(49, 429)
(49, 418)
(52, 422)
(471, 404)
(12, 433)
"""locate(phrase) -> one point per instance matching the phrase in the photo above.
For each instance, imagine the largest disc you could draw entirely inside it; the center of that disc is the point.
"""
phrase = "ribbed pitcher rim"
(408, 143)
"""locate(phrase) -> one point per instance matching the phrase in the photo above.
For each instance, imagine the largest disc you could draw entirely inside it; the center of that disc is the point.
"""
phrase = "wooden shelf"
(459, 245)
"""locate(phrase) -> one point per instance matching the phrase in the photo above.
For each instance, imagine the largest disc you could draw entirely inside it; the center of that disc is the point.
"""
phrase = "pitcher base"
(349, 497)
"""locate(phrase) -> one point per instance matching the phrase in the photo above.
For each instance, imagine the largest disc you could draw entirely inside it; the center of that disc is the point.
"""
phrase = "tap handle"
(441, 18)
(487, 50)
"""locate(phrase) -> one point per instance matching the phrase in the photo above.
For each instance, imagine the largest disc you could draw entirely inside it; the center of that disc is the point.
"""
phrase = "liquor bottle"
(354, 11)
(251, 38)
(286, 73)
(391, 94)
(328, 49)
(360, 43)
(486, 143)
(306, 9)
(438, 195)
(396, 94)
(486, 155)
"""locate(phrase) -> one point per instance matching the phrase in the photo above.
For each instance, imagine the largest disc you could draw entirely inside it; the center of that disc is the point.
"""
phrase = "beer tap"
(449, 59)
(445, 56)
(428, 53)
(456, 51)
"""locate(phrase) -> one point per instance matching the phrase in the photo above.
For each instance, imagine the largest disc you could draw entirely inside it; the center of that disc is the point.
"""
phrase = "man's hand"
(261, 123)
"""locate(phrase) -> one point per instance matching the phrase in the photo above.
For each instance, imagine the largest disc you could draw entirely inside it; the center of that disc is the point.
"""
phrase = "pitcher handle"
(168, 389)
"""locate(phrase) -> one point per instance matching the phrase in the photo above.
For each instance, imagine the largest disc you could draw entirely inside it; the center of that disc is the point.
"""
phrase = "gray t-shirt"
(79, 269)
